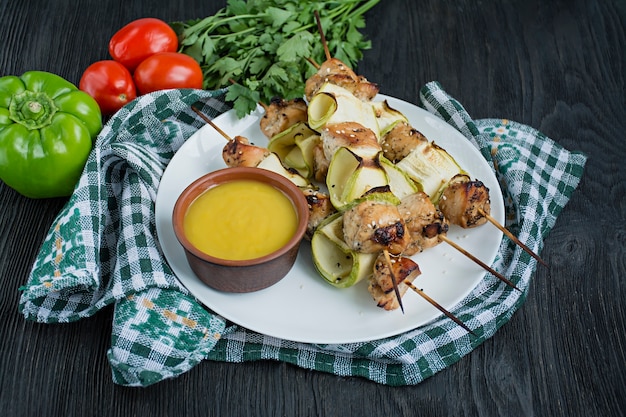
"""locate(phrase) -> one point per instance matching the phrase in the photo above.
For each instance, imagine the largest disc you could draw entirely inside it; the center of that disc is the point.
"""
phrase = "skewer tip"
(312, 62)
(439, 307)
(512, 237)
(321, 31)
(479, 262)
(210, 122)
(393, 279)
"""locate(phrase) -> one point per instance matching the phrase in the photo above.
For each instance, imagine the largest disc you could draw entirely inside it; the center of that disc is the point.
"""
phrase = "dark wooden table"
(558, 66)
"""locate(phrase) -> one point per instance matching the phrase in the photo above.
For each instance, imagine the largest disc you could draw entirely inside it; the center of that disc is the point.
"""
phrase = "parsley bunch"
(260, 48)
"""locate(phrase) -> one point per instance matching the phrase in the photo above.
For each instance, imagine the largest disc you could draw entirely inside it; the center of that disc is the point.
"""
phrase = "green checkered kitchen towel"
(102, 249)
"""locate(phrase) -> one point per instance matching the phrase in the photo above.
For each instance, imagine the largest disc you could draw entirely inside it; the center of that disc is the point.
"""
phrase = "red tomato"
(141, 38)
(167, 70)
(110, 84)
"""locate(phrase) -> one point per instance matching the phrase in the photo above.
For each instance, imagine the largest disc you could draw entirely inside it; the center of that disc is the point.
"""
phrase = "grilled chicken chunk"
(424, 222)
(336, 72)
(360, 140)
(238, 152)
(320, 207)
(373, 226)
(463, 200)
(380, 284)
(281, 114)
(320, 163)
(400, 141)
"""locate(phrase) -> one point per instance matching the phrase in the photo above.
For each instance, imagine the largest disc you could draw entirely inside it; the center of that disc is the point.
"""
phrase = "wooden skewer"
(504, 230)
(478, 261)
(312, 61)
(438, 306)
(210, 122)
(393, 279)
(321, 31)
(512, 237)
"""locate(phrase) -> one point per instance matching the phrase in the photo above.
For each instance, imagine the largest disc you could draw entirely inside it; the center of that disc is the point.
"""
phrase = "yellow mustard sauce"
(241, 219)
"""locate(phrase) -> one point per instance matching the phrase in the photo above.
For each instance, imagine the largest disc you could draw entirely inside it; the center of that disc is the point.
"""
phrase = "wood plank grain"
(558, 66)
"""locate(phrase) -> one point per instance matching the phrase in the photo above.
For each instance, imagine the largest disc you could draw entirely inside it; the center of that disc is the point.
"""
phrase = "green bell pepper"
(47, 129)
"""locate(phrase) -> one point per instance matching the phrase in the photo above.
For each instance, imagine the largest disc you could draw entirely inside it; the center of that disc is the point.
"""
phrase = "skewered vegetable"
(334, 104)
(351, 176)
(335, 261)
(387, 117)
(423, 161)
(295, 147)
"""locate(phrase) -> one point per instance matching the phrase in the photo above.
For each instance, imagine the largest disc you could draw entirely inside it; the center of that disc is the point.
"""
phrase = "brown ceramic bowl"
(241, 276)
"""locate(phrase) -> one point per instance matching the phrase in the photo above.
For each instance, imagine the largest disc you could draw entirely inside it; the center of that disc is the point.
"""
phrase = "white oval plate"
(302, 307)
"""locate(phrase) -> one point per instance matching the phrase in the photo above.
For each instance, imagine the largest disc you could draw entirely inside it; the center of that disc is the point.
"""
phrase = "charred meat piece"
(354, 136)
(320, 163)
(381, 281)
(400, 141)
(373, 226)
(238, 152)
(424, 222)
(320, 208)
(463, 200)
(281, 114)
(336, 72)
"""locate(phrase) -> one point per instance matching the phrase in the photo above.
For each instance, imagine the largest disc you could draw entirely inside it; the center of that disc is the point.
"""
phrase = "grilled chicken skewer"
(336, 72)
(432, 229)
(428, 226)
(464, 202)
(408, 228)
(386, 230)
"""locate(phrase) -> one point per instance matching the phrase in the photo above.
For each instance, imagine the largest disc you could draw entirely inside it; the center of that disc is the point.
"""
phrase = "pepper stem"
(32, 110)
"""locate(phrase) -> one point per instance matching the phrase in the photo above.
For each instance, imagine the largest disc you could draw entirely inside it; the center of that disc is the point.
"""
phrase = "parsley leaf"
(259, 48)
